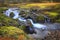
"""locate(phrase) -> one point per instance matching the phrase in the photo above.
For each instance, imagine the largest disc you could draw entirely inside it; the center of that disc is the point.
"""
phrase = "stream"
(41, 29)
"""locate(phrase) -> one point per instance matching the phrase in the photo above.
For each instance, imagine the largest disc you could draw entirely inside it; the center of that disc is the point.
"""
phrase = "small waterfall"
(37, 26)
(21, 19)
(16, 13)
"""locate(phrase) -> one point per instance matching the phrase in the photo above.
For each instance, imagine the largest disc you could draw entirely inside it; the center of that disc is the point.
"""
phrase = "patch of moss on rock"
(40, 19)
(6, 21)
(12, 32)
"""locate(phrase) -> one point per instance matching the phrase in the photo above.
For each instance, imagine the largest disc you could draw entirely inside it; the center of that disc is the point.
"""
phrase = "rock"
(39, 34)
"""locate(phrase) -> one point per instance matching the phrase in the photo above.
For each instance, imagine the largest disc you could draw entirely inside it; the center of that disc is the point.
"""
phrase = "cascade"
(37, 26)
(16, 13)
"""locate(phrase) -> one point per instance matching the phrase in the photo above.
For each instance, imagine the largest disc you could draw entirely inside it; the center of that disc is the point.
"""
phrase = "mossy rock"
(23, 13)
(6, 21)
(12, 15)
(12, 32)
(3, 9)
(22, 27)
(40, 19)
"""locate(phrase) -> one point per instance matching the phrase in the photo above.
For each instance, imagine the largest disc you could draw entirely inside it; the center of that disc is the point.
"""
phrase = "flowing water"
(16, 15)
(38, 26)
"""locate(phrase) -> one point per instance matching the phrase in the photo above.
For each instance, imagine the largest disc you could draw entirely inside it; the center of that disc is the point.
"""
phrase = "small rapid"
(16, 15)
(40, 33)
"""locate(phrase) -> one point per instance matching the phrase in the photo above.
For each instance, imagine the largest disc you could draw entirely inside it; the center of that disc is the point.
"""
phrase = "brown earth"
(54, 35)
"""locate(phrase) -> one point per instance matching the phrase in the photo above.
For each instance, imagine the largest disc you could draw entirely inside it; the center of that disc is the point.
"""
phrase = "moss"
(52, 14)
(9, 28)
(58, 21)
(40, 18)
(11, 31)
(6, 21)
(2, 9)
(23, 13)
(22, 27)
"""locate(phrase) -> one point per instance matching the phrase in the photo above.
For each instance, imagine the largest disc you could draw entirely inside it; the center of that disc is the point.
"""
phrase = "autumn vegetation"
(10, 29)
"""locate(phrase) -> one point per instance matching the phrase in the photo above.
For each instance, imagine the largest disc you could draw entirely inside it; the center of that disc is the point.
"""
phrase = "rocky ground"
(52, 34)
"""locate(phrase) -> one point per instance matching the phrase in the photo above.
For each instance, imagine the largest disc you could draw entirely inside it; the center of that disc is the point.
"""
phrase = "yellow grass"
(28, 5)
(41, 5)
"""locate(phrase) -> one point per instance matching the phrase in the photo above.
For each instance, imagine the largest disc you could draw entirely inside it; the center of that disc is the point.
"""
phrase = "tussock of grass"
(40, 5)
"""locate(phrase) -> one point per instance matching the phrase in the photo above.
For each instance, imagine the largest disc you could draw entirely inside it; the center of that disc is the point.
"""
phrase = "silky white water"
(16, 13)
(37, 26)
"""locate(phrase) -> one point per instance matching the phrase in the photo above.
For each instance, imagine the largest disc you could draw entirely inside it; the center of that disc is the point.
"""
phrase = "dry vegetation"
(28, 5)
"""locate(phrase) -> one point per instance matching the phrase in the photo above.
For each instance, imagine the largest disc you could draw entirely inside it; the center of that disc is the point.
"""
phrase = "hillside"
(9, 28)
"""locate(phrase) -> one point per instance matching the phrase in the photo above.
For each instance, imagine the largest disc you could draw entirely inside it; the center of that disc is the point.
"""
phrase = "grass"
(52, 13)
(28, 5)
(40, 5)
